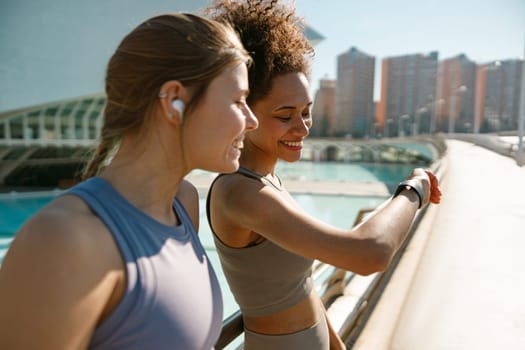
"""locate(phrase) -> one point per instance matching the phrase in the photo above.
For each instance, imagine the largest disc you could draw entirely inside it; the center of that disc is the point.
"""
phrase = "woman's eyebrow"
(284, 107)
(291, 107)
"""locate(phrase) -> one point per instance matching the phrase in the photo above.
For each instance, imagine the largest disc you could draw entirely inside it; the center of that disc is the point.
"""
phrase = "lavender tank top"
(173, 298)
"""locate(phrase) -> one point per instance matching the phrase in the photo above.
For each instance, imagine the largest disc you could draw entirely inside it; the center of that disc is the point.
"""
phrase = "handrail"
(357, 319)
(338, 280)
(233, 325)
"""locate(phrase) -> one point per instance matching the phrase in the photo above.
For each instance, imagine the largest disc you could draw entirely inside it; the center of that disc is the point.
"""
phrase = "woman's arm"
(56, 280)
(241, 205)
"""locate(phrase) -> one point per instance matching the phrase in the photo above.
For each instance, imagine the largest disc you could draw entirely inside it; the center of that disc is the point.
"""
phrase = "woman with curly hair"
(265, 241)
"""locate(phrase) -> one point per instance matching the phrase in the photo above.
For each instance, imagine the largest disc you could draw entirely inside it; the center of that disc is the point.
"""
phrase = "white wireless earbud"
(178, 105)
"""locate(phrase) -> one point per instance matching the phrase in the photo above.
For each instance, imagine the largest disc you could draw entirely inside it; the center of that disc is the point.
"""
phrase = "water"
(340, 211)
(15, 209)
(372, 172)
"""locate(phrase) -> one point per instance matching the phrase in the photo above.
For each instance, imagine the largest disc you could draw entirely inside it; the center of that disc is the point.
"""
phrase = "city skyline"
(418, 95)
(484, 31)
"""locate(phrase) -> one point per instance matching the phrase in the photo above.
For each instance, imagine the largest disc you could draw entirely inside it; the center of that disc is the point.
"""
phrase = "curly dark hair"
(273, 35)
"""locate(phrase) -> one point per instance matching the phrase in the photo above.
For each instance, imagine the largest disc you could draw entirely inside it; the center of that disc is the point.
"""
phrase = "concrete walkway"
(462, 283)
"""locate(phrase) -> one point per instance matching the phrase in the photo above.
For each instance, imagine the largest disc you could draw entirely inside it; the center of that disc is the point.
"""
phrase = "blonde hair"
(184, 47)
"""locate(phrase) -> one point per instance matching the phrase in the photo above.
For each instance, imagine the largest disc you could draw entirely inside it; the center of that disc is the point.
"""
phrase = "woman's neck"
(145, 178)
(255, 159)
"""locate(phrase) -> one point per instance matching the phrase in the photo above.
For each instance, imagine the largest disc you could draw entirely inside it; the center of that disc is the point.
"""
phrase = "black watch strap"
(413, 185)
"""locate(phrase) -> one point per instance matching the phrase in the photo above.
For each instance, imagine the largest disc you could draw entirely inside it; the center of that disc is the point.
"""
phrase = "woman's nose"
(251, 120)
(302, 127)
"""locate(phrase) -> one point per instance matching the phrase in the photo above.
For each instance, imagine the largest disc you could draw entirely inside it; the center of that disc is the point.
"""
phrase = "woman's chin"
(230, 167)
(291, 159)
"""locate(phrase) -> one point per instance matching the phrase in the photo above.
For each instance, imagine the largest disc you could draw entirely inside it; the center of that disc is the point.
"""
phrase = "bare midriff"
(302, 315)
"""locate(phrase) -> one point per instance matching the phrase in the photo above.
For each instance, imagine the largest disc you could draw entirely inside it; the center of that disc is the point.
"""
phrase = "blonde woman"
(115, 263)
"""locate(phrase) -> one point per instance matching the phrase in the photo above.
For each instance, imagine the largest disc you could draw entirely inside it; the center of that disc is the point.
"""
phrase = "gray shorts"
(312, 338)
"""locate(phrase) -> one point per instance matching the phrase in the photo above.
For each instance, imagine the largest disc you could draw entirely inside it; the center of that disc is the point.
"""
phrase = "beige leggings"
(312, 338)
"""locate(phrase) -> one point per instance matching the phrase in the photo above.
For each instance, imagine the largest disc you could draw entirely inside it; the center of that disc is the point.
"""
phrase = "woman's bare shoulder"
(65, 228)
(246, 199)
(65, 260)
(236, 185)
(67, 215)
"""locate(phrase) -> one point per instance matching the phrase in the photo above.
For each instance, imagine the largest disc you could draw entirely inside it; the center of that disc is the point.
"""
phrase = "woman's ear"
(171, 96)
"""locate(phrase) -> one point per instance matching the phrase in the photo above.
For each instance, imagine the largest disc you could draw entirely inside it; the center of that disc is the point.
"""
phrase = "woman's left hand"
(429, 185)
(435, 191)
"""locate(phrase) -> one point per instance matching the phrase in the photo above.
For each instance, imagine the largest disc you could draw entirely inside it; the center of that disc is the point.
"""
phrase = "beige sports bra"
(264, 278)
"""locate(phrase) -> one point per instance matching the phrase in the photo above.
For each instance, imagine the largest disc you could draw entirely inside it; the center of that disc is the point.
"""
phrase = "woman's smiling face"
(284, 118)
(213, 135)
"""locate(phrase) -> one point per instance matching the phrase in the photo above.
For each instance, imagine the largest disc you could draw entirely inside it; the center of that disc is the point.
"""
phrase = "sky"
(484, 30)
(56, 49)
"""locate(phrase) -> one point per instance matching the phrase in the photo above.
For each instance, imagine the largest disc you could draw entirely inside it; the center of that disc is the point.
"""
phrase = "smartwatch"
(413, 185)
